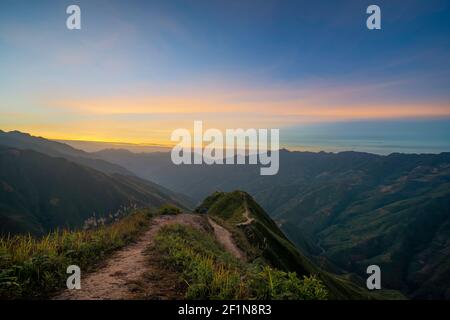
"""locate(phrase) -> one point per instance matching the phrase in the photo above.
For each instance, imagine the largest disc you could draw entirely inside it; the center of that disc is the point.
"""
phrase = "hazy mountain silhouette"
(19, 140)
(39, 193)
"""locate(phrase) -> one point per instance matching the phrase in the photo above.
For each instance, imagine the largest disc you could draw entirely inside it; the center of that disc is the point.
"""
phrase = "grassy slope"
(210, 272)
(273, 246)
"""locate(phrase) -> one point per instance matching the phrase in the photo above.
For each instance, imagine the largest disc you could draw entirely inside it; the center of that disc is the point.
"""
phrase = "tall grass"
(33, 268)
(211, 273)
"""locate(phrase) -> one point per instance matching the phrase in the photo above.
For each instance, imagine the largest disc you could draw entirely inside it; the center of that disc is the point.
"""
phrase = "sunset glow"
(133, 75)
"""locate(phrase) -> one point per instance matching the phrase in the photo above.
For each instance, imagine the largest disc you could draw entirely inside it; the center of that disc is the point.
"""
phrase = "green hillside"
(212, 273)
(258, 235)
(39, 193)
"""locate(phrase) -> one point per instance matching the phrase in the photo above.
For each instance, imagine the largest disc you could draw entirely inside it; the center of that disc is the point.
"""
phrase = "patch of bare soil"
(224, 237)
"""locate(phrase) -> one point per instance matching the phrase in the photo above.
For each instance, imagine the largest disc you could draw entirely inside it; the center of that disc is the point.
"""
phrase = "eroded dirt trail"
(248, 219)
(117, 278)
(224, 237)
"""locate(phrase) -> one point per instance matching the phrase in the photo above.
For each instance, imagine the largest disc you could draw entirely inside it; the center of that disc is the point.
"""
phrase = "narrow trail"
(117, 278)
(133, 273)
(248, 219)
(224, 237)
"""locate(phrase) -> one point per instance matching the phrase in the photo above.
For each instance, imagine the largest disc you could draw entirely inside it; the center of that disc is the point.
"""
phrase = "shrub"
(169, 209)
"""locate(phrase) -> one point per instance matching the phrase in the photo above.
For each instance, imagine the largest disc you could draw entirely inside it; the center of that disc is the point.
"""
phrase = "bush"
(169, 209)
(279, 285)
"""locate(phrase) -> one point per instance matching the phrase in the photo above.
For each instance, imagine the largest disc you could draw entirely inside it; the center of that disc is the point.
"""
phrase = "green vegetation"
(169, 209)
(211, 273)
(35, 268)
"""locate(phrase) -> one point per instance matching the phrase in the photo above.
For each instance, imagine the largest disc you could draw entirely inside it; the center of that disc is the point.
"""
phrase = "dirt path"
(248, 219)
(225, 238)
(124, 270)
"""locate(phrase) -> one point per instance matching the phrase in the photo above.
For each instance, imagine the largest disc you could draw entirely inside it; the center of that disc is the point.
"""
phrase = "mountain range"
(41, 193)
(61, 187)
(338, 212)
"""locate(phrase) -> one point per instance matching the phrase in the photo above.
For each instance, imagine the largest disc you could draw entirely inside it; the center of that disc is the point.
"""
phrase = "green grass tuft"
(169, 209)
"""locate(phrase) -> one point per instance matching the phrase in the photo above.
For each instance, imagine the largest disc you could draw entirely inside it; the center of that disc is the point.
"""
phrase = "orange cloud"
(151, 118)
(299, 109)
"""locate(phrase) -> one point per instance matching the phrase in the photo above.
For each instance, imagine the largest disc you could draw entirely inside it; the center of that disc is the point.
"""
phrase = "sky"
(137, 70)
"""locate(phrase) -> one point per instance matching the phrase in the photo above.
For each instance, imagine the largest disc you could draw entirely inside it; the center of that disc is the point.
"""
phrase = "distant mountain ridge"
(41, 192)
(20, 140)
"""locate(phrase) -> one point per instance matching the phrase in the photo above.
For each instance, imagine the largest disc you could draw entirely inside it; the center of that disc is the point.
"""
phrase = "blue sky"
(139, 69)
